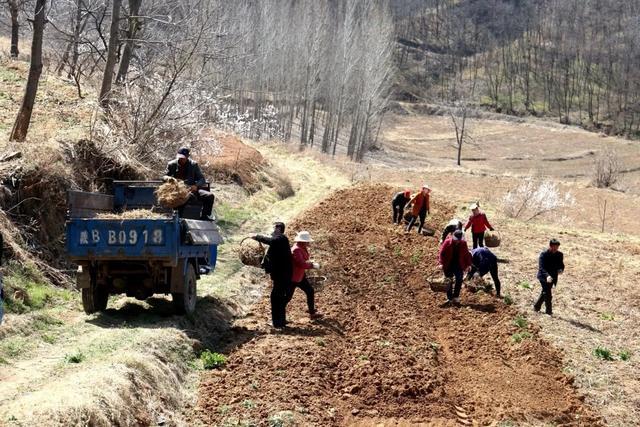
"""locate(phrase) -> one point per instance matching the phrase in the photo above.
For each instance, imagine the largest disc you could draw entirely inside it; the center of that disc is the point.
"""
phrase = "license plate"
(122, 237)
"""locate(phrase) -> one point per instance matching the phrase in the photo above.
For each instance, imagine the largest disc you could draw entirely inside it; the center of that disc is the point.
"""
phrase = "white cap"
(474, 206)
(426, 186)
(455, 222)
(303, 236)
(181, 156)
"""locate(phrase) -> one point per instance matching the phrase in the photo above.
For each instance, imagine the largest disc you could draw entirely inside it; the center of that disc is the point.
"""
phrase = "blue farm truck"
(164, 253)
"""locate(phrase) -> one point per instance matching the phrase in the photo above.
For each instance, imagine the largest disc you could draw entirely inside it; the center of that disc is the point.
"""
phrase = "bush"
(520, 322)
(533, 198)
(518, 337)
(603, 353)
(606, 169)
(624, 355)
(508, 300)
(76, 357)
(212, 360)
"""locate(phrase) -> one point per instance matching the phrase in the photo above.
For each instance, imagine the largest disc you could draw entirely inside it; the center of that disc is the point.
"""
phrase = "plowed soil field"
(388, 351)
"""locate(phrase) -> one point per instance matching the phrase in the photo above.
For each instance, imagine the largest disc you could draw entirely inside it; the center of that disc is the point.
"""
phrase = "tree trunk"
(21, 126)
(134, 11)
(112, 51)
(15, 28)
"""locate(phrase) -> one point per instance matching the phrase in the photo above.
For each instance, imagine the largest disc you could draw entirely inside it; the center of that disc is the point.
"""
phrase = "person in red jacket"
(420, 208)
(455, 260)
(479, 223)
(301, 263)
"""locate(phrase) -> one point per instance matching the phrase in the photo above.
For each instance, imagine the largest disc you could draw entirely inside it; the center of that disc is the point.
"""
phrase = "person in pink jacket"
(479, 223)
(302, 263)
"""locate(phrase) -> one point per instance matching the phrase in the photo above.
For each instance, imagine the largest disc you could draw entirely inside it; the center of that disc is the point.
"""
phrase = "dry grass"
(173, 193)
(132, 214)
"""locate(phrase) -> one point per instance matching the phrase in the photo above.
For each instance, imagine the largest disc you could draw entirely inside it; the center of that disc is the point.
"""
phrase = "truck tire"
(185, 302)
(94, 298)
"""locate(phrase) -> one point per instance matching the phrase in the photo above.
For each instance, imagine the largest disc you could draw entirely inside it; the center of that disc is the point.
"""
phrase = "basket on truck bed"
(142, 256)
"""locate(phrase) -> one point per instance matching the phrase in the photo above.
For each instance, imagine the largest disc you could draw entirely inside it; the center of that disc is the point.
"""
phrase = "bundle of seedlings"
(251, 252)
(172, 194)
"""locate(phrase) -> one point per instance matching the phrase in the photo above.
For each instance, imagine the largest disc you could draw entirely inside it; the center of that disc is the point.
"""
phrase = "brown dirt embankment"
(387, 351)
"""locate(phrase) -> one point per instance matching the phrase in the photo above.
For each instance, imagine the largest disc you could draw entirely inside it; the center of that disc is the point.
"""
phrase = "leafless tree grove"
(576, 60)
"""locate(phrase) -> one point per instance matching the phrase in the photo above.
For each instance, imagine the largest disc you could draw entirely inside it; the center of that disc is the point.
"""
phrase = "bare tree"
(112, 52)
(14, 10)
(21, 125)
(459, 115)
(132, 32)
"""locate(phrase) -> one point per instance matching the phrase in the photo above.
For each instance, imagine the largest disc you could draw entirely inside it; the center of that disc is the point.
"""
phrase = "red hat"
(407, 193)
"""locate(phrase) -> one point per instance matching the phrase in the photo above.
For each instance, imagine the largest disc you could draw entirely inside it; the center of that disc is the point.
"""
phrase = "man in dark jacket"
(398, 203)
(278, 264)
(187, 170)
(550, 265)
(484, 261)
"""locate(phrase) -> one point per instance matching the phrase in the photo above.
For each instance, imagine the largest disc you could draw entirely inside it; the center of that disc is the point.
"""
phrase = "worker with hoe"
(455, 260)
(277, 263)
(302, 263)
(398, 203)
(187, 170)
(484, 261)
(420, 208)
(550, 265)
(479, 223)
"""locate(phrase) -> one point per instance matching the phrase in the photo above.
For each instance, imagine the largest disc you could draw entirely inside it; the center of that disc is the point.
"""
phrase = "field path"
(387, 352)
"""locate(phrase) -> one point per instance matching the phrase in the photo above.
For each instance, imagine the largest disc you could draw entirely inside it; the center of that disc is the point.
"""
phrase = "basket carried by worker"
(251, 252)
(492, 239)
(428, 231)
(172, 194)
(440, 285)
(317, 282)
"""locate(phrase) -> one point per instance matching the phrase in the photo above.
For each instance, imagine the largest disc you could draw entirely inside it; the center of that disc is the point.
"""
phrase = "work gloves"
(316, 265)
(549, 279)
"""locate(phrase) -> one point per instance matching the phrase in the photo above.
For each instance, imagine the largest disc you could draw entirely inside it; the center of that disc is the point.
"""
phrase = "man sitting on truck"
(185, 169)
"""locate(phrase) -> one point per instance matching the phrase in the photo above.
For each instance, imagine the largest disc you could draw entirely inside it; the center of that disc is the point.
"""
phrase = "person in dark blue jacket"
(550, 265)
(187, 170)
(484, 261)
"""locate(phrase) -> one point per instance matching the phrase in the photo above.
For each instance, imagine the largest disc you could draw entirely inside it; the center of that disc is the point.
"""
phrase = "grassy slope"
(136, 363)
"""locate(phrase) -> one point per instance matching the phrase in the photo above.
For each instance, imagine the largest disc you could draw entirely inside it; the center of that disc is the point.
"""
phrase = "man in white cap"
(185, 169)
(302, 263)
(420, 208)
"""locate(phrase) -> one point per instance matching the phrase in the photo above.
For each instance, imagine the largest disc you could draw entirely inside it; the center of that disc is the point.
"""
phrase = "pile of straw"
(251, 252)
(172, 194)
(132, 214)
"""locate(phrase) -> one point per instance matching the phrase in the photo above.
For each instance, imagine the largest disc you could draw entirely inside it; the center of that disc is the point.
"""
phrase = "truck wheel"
(185, 302)
(94, 298)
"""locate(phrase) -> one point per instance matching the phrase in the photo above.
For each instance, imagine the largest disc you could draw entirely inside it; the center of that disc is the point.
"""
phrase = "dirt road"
(387, 351)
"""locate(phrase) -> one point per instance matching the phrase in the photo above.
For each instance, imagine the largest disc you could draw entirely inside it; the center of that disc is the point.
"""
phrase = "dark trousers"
(422, 215)
(206, 198)
(306, 287)
(494, 275)
(478, 239)
(545, 296)
(398, 213)
(453, 291)
(279, 299)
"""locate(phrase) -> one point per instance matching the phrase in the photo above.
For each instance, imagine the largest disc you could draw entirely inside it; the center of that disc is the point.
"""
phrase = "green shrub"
(520, 322)
(508, 300)
(212, 360)
(518, 337)
(525, 284)
(76, 357)
(624, 355)
(607, 316)
(603, 353)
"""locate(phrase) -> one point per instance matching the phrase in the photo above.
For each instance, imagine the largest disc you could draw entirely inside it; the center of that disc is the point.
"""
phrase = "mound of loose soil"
(236, 163)
(388, 351)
